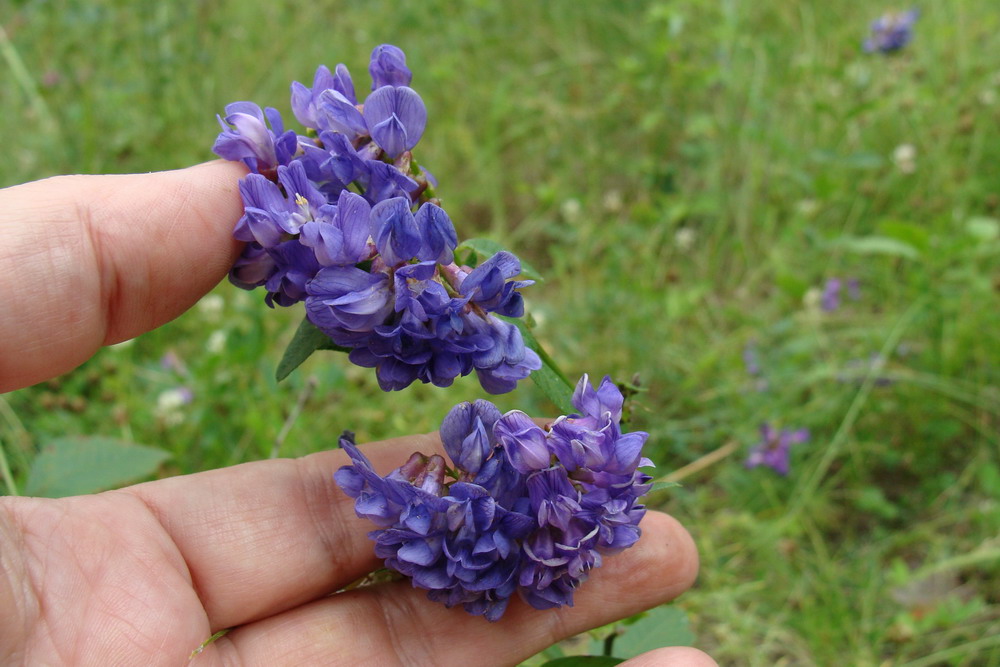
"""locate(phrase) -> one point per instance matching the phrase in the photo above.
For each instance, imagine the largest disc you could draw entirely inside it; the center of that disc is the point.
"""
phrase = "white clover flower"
(612, 201)
(812, 299)
(216, 342)
(570, 210)
(905, 158)
(212, 305)
(170, 402)
(684, 238)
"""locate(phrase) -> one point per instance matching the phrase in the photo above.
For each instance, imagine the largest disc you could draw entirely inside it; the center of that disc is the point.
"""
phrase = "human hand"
(145, 574)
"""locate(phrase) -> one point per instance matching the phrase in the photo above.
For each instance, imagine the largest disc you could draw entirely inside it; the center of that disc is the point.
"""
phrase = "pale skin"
(145, 574)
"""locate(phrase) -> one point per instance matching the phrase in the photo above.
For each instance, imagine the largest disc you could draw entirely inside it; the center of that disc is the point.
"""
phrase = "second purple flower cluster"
(527, 510)
(345, 220)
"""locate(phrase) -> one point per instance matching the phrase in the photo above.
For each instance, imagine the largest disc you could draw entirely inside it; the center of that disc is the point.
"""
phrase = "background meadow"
(689, 176)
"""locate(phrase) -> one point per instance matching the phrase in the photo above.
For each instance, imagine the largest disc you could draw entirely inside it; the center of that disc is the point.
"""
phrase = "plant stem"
(701, 463)
(8, 478)
(293, 415)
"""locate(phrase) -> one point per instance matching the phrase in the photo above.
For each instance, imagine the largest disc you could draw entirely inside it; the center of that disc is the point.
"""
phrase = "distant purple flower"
(830, 300)
(854, 289)
(891, 31)
(775, 447)
(516, 517)
(750, 360)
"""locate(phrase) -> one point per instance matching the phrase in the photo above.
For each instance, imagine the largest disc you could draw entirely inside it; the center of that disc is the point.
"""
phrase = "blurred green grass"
(686, 175)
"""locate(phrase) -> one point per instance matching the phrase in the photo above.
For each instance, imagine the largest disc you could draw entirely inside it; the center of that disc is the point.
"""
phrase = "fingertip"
(658, 568)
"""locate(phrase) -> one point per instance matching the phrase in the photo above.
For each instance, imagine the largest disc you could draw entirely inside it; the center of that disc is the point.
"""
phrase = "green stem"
(8, 478)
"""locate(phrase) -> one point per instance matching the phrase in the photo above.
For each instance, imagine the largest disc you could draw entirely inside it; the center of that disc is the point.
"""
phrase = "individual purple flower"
(270, 217)
(396, 118)
(592, 440)
(524, 441)
(437, 234)
(507, 360)
(514, 520)
(252, 268)
(305, 101)
(340, 237)
(491, 287)
(246, 137)
(774, 448)
(336, 113)
(394, 231)
(383, 181)
(466, 433)
(295, 265)
(388, 67)
(347, 303)
(891, 31)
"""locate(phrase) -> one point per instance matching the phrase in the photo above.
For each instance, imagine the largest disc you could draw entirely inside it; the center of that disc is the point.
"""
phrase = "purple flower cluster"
(891, 31)
(526, 509)
(345, 220)
(830, 298)
(774, 449)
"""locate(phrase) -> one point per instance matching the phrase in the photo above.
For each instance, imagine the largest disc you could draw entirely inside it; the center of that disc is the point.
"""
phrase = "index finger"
(93, 260)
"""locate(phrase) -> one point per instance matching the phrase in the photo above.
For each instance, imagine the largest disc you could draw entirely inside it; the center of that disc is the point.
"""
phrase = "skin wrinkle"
(405, 611)
(16, 589)
(334, 535)
(109, 279)
(109, 612)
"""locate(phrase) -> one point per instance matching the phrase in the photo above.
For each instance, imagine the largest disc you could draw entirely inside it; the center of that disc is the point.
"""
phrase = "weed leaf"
(75, 465)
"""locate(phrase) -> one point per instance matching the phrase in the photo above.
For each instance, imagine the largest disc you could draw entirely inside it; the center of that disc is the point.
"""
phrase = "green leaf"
(662, 626)
(878, 245)
(983, 229)
(907, 232)
(584, 661)
(486, 248)
(548, 378)
(307, 339)
(75, 465)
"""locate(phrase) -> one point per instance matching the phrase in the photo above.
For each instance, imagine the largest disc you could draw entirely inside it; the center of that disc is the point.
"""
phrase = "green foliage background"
(686, 175)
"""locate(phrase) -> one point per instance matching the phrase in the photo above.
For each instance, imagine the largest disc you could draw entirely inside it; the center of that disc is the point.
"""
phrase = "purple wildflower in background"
(854, 289)
(527, 510)
(833, 289)
(891, 32)
(751, 362)
(775, 447)
(344, 219)
(830, 300)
